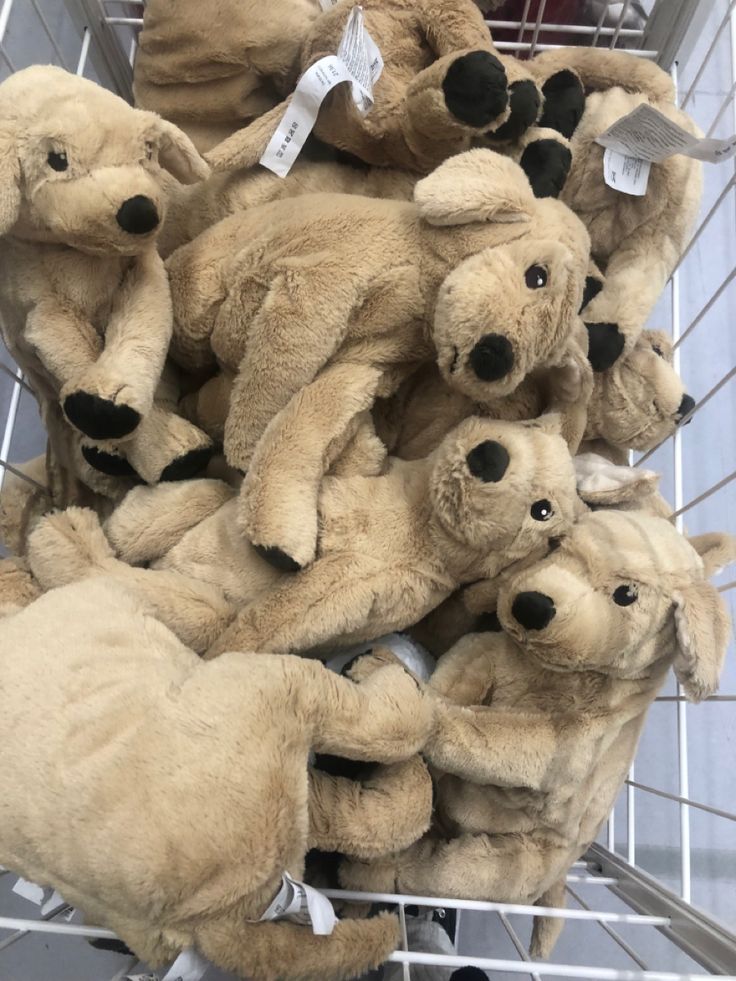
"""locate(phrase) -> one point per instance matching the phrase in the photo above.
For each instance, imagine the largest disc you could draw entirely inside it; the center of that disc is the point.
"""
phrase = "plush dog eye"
(658, 351)
(625, 595)
(541, 510)
(535, 277)
(57, 161)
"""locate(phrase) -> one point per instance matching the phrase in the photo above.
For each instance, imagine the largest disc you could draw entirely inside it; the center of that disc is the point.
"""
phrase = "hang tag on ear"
(648, 134)
(358, 61)
(300, 903)
(629, 175)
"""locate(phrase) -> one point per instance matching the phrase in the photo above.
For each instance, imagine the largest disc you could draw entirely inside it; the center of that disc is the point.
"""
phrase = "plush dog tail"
(546, 930)
(246, 146)
(599, 68)
(273, 950)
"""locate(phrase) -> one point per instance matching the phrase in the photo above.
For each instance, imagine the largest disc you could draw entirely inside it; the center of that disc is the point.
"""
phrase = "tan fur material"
(269, 294)
(210, 68)
(85, 303)
(105, 692)
(391, 547)
(538, 722)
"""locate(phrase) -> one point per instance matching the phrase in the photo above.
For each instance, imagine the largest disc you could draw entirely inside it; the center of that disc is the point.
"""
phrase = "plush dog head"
(504, 487)
(79, 166)
(640, 400)
(624, 591)
(513, 306)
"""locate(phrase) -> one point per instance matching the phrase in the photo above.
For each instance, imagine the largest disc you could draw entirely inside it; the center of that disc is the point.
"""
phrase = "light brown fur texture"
(218, 798)
(85, 303)
(391, 547)
(275, 294)
(212, 68)
(538, 721)
(636, 241)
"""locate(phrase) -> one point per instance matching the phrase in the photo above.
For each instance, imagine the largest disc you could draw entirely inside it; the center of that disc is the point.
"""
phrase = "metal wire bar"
(724, 105)
(535, 35)
(84, 53)
(619, 25)
(516, 908)
(6, 58)
(66, 929)
(701, 227)
(516, 941)
(524, 15)
(49, 34)
(13, 373)
(630, 820)
(599, 26)
(19, 934)
(9, 425)
(705, 495)
(592, 880)
(711, 698)
(129, 21)
(548, 970)
(685, 801)
(583, 29)
(404, 940)
(5, 17)
(613, 934)
(526, 46)
(23, 476)
(706, 58)
(693, 323)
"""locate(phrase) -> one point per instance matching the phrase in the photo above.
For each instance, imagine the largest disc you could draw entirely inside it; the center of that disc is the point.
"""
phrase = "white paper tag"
(648, 134)
(358, 62)
(188, 966)
(327, 4)
(141, 977)
(630, 175)
(300, 903)
(48, 899)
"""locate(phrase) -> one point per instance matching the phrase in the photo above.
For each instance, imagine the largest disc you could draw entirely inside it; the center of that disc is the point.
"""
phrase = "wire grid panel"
(620, 924)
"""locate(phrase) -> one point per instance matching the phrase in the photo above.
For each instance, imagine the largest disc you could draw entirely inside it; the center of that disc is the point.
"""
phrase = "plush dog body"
(538, 724)
(85, 303)
(489, 280)
(390, 547)
(204, 829)
(636, 241)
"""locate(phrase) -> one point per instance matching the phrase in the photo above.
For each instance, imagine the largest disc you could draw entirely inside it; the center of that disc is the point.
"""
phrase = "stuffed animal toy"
(538, 719)
(211, 69)
(391, 547)
(489, 282)
(85, 303)
(195, 777)
(442, 86)
(636, 241)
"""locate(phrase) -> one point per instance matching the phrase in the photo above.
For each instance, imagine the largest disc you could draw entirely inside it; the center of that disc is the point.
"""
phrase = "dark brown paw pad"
(100, 418)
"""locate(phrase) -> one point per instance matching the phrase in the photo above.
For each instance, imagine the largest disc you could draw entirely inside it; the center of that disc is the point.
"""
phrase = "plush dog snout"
(687, 405)
(138, 215)
(492, 357)
(533, 610)
(488, 461)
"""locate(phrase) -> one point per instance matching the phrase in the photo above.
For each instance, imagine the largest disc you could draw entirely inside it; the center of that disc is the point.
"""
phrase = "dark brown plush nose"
(488, 461)
(492, 357)
(138, 215)
(686, 406)
(534, 611)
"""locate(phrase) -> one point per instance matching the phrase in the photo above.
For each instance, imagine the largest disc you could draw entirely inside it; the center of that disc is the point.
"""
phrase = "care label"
(300, 903)
(630, 175)
(358, 62)
(188, 966)
(327, 4)
(48, 899)
(648, 134)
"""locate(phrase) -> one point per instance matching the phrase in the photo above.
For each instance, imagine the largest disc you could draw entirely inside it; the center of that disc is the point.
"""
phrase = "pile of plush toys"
(393, 391)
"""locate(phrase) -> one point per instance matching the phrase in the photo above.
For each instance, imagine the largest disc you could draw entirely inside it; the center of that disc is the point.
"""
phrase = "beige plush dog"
(391, 547)
(537, 725)
(85, 303)
(477, 272)
(212, 68)
(118, 742)
(636, 241)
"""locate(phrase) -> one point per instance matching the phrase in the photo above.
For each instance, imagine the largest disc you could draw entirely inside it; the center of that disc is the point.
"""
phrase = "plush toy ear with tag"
(702, 628)
(10, 194)
(479, 185)
(603, 484)
(178, 154)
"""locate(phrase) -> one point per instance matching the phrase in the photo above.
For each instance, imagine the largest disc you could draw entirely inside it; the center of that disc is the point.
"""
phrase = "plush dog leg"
(70, 545)
(272, 951)
(385, 813)
(149, 521)
(166, 447)
(18, 588)
(278, 501)
(207, 408)
(546, 930)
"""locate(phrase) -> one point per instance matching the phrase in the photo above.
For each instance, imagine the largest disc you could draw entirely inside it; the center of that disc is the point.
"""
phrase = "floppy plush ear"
(247, 145)
(549, 422)
(178, 154)
(716, 549)
(702, 627)
(479, 185)
(601, 483)
(10, 196)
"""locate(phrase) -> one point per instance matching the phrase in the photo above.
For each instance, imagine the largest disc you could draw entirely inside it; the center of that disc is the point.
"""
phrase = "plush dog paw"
(605, 344)
(476, 89)
(546, 164)
(188, 465)
(111, 464)
(100, 418)
(67, 546)
(524, 103)
(278, 558)
(564, 102)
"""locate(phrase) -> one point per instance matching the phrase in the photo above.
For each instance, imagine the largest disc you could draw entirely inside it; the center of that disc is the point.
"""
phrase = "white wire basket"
(655, 897)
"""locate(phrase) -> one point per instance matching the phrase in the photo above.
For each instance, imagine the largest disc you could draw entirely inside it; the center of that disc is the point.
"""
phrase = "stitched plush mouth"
(455, 356)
